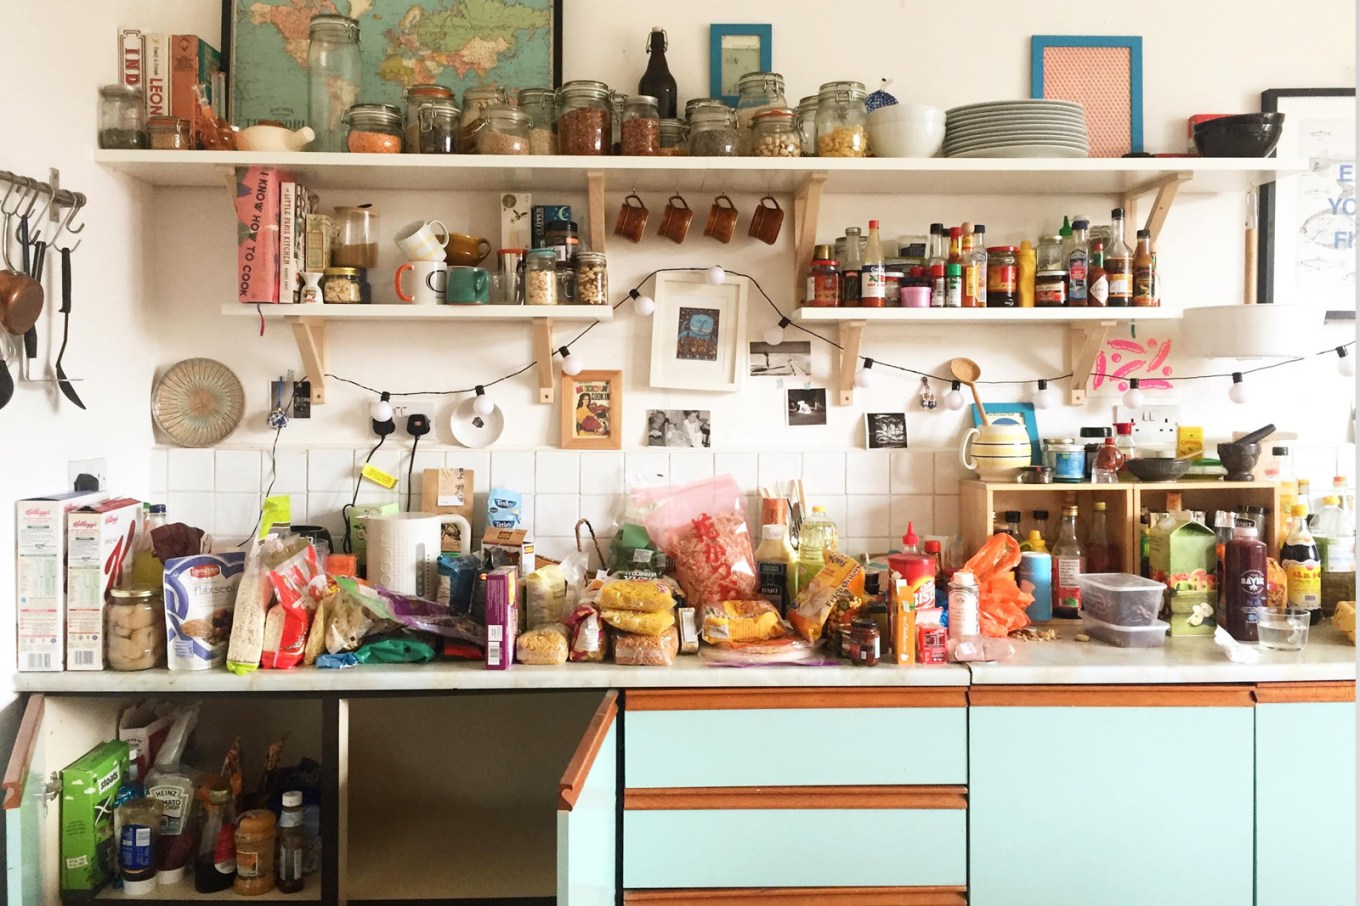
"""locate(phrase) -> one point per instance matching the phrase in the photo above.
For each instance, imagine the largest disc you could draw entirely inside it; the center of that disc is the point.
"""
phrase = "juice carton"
(1183, 554)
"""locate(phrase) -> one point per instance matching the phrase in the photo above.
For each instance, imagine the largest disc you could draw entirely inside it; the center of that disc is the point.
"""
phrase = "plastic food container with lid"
(1153, 636)
(1121, 599)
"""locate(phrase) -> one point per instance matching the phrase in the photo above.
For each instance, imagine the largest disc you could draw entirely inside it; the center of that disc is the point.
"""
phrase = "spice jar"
(1050, 278)
(584, 119)
(824, 280)
(776, 134)
(1066, 458)
(254, 853)
(562, 237)
(1002, 281)
(345, 286)
(864, 642)
(757, 92)
(475, 101)
(134, 628)
(807, 124)
(438, 127)
(122, 118)
(841, 120)
(592, 279)
(416, 96)
(541, 106)
(505, 130)
(672, 141)
(169, 133)
(540, 277)
(640, 132)
(374, 129)
(713, 133)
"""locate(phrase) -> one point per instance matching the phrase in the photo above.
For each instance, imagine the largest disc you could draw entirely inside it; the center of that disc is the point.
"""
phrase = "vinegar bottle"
(657, 80)
(1069, 562)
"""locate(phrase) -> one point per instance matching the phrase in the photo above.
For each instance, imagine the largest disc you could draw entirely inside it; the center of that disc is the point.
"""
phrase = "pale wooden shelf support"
(311, 342)
(807, 204)
(1083, 345)
(850, 334)
(595, 208)
(543, 353)
(1166, 188)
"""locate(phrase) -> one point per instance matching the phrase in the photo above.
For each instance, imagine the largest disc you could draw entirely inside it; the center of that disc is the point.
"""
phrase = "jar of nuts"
(505, 130)
(592, 279)
(541, 106)
(713, 133)
(757, 92)
(776, 134)
(807, 124)
(672, 138)
(540, 277)
(475, 100)
(345, 286)
(374, 129)
(584, 122)
(841, 120)
(640, 133)
(415, 97)
(134, 628)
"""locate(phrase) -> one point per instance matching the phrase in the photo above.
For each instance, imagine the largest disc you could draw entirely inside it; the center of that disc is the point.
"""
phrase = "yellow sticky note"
(378, 476)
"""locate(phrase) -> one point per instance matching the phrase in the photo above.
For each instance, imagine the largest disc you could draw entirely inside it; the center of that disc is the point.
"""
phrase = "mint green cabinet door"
(25, 854)
(1117, 806)
(1305, 804)
(587, 816)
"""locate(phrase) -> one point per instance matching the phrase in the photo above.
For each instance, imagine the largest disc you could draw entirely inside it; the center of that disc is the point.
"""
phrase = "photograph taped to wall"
(791, 358)
(806, 407)
(679, 428)
(699, 332)
(885, 430)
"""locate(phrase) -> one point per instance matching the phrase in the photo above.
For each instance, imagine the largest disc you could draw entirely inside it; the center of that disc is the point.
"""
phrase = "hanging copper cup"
(632, 219)
(675, 219)
(767, 220)
(722, 219)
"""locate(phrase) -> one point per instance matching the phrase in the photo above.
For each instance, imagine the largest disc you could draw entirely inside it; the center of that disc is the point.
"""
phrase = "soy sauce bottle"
(657, 80)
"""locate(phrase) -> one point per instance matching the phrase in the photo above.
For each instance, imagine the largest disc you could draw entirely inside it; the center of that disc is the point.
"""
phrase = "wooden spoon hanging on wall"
(966, 371)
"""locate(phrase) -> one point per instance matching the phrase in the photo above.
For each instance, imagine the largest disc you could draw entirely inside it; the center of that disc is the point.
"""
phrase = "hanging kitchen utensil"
(198, 402)
(31, 335)
(21, 296)
(966, 371)
(62, 381)
(6, 381)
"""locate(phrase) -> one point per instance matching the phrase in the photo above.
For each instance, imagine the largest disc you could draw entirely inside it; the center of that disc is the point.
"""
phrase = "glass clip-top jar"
(437, 128)
(775, 134)
(757, 92)
(841, 119)
(334, 74)
(417, 96)
(374, 129)
(540, 277)
(505, 130)
(122, 118)
(640, 133)
(807, 124)
(475, 101)
(713, 133)
(541, 106)
(584, 118)
(592, 278)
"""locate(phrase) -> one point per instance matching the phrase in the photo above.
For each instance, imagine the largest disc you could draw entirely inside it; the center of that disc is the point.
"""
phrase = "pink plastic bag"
(702, 528)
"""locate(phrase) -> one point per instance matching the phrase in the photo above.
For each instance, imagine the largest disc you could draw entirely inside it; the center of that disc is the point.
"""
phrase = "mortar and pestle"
(1240, 456)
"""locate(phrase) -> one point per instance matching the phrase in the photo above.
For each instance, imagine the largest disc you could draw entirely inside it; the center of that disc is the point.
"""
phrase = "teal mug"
(468, 286)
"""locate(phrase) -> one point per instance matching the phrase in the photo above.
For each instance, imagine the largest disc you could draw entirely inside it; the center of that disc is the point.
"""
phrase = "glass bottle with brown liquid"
(1144, 272)
(1119, 263)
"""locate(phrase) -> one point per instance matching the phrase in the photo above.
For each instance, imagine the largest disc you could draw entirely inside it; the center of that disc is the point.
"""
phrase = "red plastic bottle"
(1244, 583)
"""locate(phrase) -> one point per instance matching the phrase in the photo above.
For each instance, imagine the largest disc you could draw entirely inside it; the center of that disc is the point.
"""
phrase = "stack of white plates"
(1033, 128)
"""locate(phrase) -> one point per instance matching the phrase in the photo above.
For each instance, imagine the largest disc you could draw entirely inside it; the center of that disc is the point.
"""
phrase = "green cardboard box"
(89, 852)
(1184, 620)
(1184, 555)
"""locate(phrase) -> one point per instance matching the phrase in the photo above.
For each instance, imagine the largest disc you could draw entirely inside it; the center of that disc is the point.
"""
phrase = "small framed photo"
(885, 430)
(806, 407)
(699, 332)
(684, 428)
(733, 51)
(592, 410)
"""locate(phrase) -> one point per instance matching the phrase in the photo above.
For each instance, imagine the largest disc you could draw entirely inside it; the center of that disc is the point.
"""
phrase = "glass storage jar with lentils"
(640, 133)
(438, 127)
(592, 279)
(416, 96)
(672, 139)
(775, 134)
(374, 129)
(505, 130)
(541, 106)
(713, 132)
(476, 100)
(841, 120)
(757, 92)
(169, 133)
(584, 120)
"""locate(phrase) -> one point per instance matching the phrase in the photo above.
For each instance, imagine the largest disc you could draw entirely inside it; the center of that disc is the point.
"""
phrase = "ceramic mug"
(675, 219)
(422, 241)
(997, 451)
(632, 220)
(465, 250)
(431, 281)
(468, 286)
(722, 219)
(766, 221)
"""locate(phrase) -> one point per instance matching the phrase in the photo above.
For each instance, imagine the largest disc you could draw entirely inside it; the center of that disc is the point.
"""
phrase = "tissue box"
(89, 852)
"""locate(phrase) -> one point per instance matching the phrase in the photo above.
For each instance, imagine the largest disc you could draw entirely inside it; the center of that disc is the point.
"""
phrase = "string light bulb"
(953, 400)
(642, 304)
(1238, 391)
(571, 365)
(482, 403)
(775, 335)
(1345, 363)
(381, 409)
(1046, 397)
(1133, 397)
(715, 275)
(864, 377)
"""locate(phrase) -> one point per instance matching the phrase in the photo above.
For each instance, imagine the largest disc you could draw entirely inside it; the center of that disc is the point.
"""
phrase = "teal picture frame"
(1133, 43)
(1014, 414)
(719, 72)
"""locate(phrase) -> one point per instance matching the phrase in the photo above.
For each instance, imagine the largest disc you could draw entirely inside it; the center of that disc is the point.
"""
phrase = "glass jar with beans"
(540, 277)
(841, 119)
(776, 134)
(541, 106)
(757, 92)
(505, 130)
(416, 96)
(713, 133)
(476, 100)
(640, 133)
(374, 129)
(584, 120)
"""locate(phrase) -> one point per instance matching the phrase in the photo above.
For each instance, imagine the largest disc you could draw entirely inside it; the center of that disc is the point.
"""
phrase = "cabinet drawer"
(794, 848)
(774, 738)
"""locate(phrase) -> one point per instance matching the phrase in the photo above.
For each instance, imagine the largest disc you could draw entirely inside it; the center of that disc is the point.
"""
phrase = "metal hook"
(66, 224)
(35, 187)
(43, 189)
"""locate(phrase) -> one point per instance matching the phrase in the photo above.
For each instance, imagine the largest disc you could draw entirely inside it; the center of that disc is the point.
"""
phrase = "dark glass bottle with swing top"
(657, 81)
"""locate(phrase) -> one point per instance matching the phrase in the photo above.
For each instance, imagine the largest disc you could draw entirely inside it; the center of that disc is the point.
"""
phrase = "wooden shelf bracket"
(807, 205)
(595, 209)
(543, 353)
(1166, 188)
(1083, 345)
(311, 343)
(850, 334)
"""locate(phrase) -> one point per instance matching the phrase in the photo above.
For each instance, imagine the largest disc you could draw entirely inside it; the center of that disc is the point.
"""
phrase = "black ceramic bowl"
(1158, 469)
(1248, 135)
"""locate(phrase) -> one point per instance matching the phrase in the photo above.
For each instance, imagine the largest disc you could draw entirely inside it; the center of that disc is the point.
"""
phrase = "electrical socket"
(1153, 426)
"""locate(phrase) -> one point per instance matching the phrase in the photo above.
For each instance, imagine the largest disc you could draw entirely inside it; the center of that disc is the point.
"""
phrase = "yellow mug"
(466, 251)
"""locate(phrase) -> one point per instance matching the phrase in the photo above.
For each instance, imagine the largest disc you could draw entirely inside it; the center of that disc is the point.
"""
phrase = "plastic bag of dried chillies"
(702, 528)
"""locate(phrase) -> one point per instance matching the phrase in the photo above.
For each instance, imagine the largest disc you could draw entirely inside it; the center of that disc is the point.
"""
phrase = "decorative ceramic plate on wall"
(198, 402)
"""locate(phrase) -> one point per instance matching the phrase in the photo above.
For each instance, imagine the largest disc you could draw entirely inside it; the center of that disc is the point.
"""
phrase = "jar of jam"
(1002, 283)
(563, 238)
(824, 280)
(864, 641)
(1050, 278)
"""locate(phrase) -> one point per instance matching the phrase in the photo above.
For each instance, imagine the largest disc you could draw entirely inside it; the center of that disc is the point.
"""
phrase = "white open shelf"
(334, 313)
(984, 315)
(917, 176)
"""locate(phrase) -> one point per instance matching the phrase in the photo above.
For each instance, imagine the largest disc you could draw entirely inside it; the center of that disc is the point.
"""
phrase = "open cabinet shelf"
(340, 313)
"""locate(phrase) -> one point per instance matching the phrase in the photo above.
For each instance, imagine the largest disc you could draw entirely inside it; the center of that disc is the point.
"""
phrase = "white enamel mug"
(423, 241)
(431, 282)
(996, 452)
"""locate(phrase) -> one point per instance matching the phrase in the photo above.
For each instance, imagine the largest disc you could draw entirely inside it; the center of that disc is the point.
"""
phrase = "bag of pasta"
(634, 650)
(742, 621)
(702, 528)
(638, 622)
(641, 595)
(544, 646)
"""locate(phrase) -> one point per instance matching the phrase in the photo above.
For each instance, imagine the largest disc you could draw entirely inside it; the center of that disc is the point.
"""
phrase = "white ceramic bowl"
(264, 137)
(907, 139)
(901, 112)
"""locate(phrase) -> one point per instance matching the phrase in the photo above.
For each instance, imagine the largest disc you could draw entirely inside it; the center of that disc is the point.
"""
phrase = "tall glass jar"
(807, 124)
(374, 129)
(756, 93)
(334, 73)
(438, 127)
(122, 118)
(640, 133)
(540, 277)
(672, 138)
(541, 106)
(134, 629)
(415, 97)
(841, 120)
(713, 133)
(775, 134)
(475, 100)
(592, 278)
(505, 130)
(584, 118)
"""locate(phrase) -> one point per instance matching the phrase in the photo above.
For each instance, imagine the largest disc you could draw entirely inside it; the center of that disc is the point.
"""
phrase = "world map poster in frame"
(459, 44)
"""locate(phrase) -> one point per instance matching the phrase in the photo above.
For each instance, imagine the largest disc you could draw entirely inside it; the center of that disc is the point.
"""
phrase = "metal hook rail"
(21, 194)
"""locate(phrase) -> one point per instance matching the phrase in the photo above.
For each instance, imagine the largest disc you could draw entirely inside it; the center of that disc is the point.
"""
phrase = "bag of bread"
(542, 646)
(639, 622)
(633, 650)
(841, 577)
(642, 595)
(741, 621)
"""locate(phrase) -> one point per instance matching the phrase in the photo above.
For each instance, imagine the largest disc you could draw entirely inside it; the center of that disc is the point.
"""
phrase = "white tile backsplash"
(426, 459)
(331, 470)
(324, 508)
(391, 459)
(823, 473)
(601, 510)
(189, 470)
(646, 468)
(237, 471)
(602, 473)
(949, 471)
(557, 472)
(290, 472)
(234, 515)
(868, 516)
(780, 467)
(513, 470)
(557, 513)
(947, 515)
(741, 466)
(479, 461)
(912, 472)
(867, 472)
(918, 509)
(191, 507)
(687, 467)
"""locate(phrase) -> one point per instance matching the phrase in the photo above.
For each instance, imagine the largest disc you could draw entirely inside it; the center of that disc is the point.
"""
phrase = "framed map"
(459, 44)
